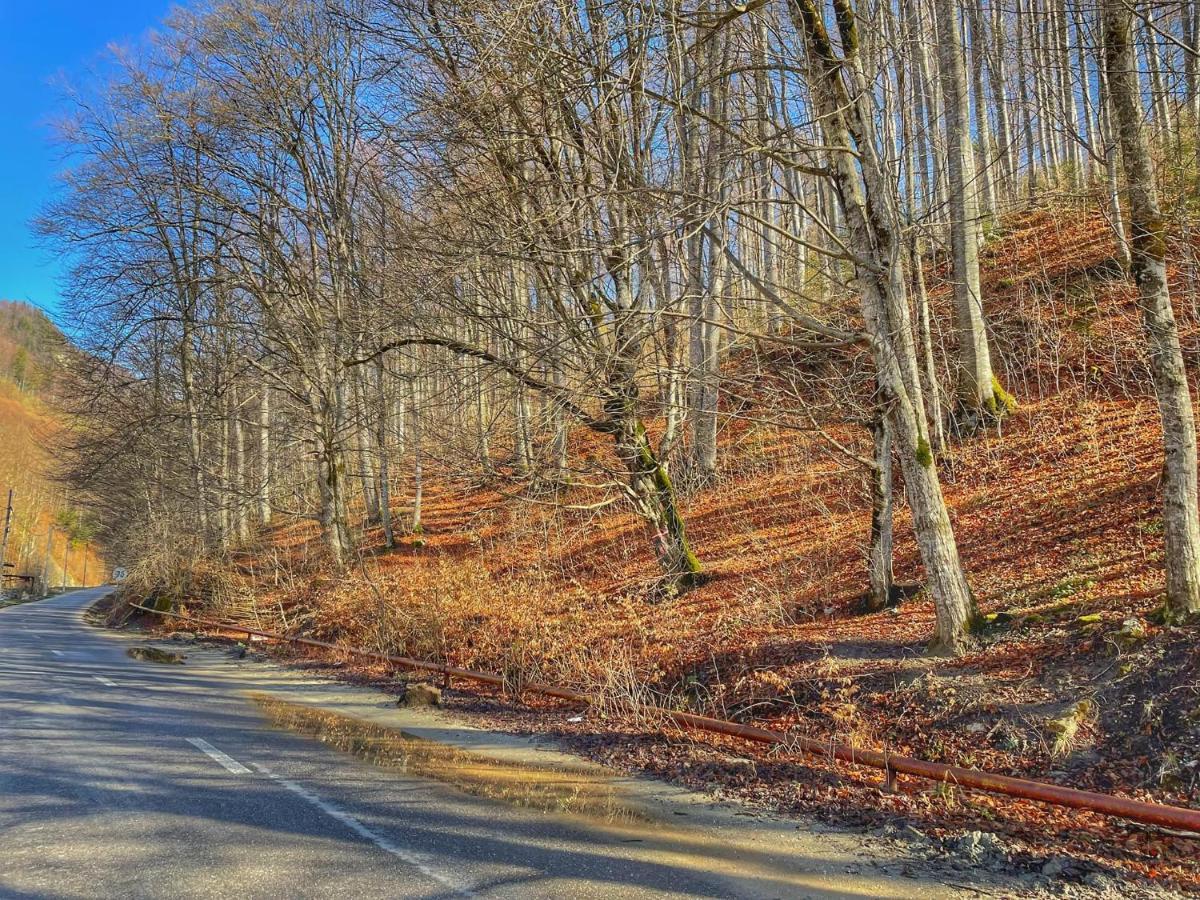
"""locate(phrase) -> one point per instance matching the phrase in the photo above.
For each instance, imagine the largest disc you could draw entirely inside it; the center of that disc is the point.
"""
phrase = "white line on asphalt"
(417, 860)
(57, 652)
(227, 762)
(105, 681)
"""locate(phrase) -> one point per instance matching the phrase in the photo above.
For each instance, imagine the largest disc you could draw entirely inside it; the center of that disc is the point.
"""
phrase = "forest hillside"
(824, 366)
(31, 353)
(1074, 676)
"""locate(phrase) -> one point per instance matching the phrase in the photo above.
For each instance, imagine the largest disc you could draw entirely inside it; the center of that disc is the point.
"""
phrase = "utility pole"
(46, 559)
(7, 527)
(66, 560)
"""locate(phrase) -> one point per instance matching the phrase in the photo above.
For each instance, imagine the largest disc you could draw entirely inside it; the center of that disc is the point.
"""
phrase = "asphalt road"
(121, 778)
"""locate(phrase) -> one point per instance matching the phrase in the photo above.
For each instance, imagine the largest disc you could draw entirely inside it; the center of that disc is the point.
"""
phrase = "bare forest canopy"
(50, 529)
(328, 257)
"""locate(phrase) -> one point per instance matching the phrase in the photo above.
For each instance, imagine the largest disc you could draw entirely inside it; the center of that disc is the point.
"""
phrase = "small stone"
(976, 728)
(979, 845)
(1097, 880)
(1131, 632)
(1054, 867)
(153, 654)
(421, 694)
(742, 768)
(184, 637)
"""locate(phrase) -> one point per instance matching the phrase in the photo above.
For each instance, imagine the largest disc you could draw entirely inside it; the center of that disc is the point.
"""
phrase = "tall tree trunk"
(872, 221)
(977, 398)
(327, 411)
(1148, 268)
(983, 127)
(361, 423)
(995, 52)
(383, 451)
(186, 366)
(224, 481)
(238, 492)
(1025, 100)
(1159, 101)
(1116, 218)
(650, 486)
(1191, 65)
(416, 445)
(879, 554)
(1083, 67)
(264, 455)
(931, 389)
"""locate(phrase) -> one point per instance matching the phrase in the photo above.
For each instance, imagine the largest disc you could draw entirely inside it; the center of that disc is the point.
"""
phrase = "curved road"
(122, 779)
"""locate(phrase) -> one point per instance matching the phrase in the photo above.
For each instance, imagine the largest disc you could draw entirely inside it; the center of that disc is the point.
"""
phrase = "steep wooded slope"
(1058, 523)
(31, 348)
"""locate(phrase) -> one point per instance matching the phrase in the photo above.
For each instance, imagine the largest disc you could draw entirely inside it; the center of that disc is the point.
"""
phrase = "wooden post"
(66, 560)
(7, 527)
(46, 560)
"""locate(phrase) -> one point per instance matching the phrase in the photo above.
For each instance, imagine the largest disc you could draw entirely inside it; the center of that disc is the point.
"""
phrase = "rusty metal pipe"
(1108, 804)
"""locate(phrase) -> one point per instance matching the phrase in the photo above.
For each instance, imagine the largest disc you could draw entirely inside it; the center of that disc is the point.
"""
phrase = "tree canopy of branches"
(317, 247)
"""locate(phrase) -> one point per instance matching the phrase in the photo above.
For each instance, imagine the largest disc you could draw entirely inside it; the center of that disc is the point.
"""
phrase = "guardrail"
(1146, 812)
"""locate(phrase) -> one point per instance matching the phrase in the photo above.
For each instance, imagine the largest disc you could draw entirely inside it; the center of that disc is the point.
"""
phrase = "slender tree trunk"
(996, 55)
(879, 555)
(1191, 66)
(1159, 101)
(186, 363)
(1083, 66)
(264, 455)
(926, 110)
(224, 479)
(872, 222)
(522, 437)
(983, 128)
(1025, 101)
(1116, 218)
(932, 390)
(239, 494)
(977, 398)
(362, 427)
(1069, 111)
(416, 445)
(327, 411)
(1148, 268)
(383, 450)
(650, 485)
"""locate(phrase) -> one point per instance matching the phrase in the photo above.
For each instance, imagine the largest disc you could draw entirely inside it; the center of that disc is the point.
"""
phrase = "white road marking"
(57, 652)
(224, 760)
(105, 681)
(418, 860)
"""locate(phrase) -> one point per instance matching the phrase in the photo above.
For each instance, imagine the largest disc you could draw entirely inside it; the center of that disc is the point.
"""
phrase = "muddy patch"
(588, 791)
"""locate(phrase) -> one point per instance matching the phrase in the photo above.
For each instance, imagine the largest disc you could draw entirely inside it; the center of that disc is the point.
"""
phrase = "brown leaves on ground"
(1057, 524)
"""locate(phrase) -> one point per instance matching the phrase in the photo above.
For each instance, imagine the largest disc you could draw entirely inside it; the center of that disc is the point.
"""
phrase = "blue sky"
(38, 40)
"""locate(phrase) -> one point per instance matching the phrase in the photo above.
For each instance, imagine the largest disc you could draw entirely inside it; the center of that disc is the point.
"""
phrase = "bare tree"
(1148, 268)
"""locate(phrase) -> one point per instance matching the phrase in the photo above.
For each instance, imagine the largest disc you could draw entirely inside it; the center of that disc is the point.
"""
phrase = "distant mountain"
(31, 350)
(30, 346)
